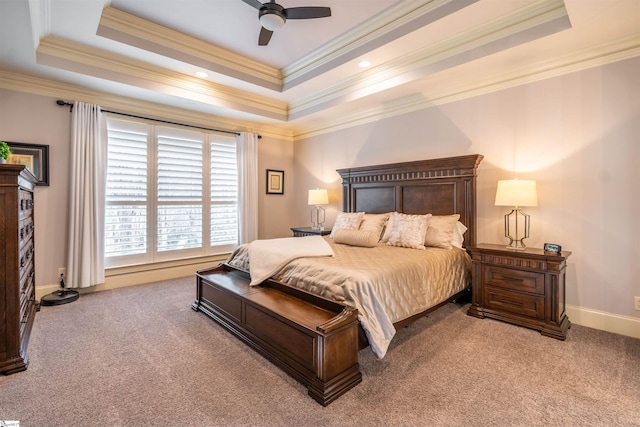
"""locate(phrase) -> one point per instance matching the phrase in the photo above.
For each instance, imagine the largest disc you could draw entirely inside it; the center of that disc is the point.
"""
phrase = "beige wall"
(276, 210)
(577, 135)
(37, 119)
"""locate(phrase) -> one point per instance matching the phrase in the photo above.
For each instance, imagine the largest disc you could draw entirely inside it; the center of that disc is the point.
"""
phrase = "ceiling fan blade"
(254, 3)
(265, 36)
(307, 12)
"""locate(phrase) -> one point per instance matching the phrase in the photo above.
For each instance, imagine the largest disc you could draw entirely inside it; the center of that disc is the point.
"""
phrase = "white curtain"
(247, 149)
(85, 253)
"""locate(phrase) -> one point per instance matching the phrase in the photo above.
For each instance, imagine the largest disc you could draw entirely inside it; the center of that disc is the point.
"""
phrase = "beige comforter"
(385, 283)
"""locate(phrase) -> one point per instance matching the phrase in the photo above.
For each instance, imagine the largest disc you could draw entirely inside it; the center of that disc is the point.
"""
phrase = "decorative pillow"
(374, 222)
(458, 235)
(350, 220)
(409, 231)
(365, 238)
(440, 231)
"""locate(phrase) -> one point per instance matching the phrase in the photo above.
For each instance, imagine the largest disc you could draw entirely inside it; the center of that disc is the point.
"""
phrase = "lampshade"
(272, 21)
(516, 192)
(318, 197)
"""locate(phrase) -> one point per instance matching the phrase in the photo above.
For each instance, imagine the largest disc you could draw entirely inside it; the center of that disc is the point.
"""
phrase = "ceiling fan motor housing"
(272, 16)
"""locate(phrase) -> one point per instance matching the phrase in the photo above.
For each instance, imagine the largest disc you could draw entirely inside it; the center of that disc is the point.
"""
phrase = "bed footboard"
(313, 339)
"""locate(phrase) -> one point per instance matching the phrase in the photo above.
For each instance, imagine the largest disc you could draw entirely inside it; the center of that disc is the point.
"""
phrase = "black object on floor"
(62, 296)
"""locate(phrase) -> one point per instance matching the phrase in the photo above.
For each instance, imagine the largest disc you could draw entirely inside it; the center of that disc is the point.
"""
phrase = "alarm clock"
(552, 248)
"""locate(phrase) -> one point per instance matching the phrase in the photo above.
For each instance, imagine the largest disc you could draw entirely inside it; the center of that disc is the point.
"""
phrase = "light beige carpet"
(140, 356)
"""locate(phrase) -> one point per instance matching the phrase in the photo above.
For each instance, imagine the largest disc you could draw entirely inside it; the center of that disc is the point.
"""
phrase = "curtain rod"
(62, 103)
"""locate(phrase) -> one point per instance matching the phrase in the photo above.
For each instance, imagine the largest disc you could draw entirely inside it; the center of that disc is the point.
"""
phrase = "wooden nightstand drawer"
(520, 280)
(514, 302)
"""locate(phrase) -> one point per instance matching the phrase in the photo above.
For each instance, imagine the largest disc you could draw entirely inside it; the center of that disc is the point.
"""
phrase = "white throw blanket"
(268, 256)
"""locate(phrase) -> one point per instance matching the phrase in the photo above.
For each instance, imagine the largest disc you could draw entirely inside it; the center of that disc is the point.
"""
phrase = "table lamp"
(317, 198)
(516, 193)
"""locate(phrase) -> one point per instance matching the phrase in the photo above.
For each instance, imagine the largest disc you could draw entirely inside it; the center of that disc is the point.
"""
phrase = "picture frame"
(33, 156)
(275, 181)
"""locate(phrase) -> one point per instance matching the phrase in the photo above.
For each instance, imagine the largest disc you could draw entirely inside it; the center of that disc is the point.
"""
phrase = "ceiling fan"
(273, 16)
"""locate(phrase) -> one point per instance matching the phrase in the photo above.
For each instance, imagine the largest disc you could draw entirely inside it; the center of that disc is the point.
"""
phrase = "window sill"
(163, 265)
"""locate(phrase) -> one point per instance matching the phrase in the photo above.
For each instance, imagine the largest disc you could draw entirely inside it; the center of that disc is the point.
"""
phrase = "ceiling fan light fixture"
(272, 16)
(272, 21)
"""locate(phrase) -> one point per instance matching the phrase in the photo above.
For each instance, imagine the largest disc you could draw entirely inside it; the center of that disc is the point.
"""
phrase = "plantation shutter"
(172, 193)
(224, 193)
(180, 202)
(126, 190)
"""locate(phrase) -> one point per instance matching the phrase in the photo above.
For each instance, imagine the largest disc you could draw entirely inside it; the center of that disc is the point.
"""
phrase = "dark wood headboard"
(438, 186)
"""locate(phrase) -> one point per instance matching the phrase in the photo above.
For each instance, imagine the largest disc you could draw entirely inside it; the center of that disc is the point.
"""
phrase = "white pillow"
(350, 220)
(440, 231)
(409, 231)
(458, 235)
(374, 222)
(364, 238)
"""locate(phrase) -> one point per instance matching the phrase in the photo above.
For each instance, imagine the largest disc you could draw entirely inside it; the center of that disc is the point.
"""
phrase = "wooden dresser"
(17, 278)
(523, 287)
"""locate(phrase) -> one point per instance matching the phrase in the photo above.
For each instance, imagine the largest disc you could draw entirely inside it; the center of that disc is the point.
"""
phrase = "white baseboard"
(610, 322)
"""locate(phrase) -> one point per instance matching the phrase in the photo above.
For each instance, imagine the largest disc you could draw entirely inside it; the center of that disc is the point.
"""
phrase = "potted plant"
(5, 152)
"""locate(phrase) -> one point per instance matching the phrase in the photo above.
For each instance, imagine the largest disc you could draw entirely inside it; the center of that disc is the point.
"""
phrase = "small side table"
(523, 287)
(308, 231)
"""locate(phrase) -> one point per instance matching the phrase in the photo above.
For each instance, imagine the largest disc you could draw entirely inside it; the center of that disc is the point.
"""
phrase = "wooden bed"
(313, 339)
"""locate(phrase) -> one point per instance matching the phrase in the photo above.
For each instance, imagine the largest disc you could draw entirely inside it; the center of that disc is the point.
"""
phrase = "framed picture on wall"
(275, 181)
(33, 156)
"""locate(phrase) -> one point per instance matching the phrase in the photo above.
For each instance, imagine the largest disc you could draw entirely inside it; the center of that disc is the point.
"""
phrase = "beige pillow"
(386, 233)
(374, 222)
(440, 231)
(364, 238)
(409, 231)
(350, 220)
(458, 235)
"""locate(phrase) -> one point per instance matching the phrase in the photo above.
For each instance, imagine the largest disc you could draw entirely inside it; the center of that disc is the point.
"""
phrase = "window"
(171, 193)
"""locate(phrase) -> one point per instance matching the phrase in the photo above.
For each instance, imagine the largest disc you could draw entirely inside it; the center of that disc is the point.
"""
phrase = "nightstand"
(523, 287)
(308, 231)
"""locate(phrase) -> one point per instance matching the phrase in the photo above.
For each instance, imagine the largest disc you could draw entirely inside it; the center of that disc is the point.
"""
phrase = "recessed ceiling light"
(202, 74)
(364, 64)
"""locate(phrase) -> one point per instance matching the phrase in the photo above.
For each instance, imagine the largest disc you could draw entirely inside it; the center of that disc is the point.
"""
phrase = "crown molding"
(604, 54)
(399, 20)
(596, 56)
(123, 27)
(535, 21)
(76, 57)
(45, 87)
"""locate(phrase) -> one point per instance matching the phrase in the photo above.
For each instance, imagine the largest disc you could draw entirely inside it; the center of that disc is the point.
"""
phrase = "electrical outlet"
(637, 301)
(62, 272)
